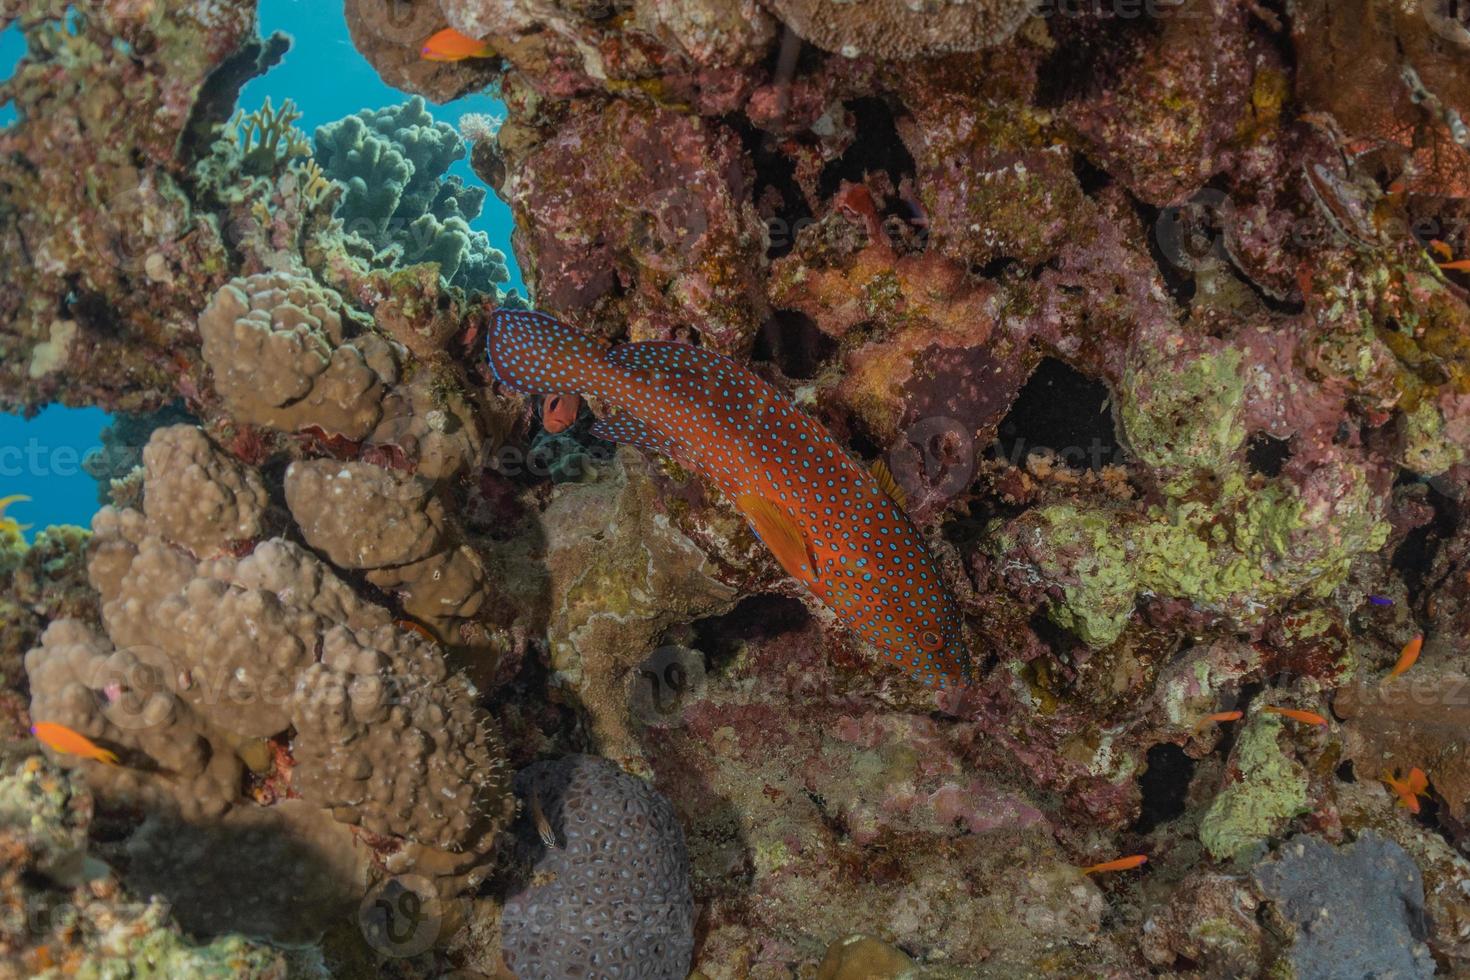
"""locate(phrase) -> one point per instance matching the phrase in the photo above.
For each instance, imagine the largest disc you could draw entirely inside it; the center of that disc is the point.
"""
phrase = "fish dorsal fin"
(781, 535)
(887, 483)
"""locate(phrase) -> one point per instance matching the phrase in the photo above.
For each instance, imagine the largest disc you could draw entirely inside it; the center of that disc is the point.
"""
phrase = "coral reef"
(1311, 885)
(225, 653)
(1159, 323)
(66, 914)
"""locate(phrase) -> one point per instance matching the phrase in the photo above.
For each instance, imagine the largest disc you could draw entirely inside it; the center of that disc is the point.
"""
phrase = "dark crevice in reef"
(791, 341)
(1090, 50)
(776, 194)
(221, 90)
(1165, 786)
(758, 617)
(1090, 177)
(1063, 410)
(876, 147)
(1415, 556)
(1170, 225)
(1266, 455)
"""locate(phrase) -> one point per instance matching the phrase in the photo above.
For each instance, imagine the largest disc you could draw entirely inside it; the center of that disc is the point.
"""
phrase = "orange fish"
(63, 739)
(1407, 657)
(1409, 788)
(451, 45)
(1119, 864)
(419, 628)
(8, 523)
(1441, 249)
(1218, 717)
(559, 411)
(825, 517)
(1459, 265)
(1305, 717)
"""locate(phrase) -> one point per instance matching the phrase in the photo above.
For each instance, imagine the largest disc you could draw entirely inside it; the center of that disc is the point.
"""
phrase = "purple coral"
(614, 898)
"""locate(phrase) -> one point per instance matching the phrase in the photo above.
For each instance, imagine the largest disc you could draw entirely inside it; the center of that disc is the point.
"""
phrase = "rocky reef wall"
(1158, 318)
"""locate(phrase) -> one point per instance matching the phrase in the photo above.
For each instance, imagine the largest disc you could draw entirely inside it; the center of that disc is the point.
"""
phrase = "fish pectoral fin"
(888, 484)
(781, 534)
(626, 429)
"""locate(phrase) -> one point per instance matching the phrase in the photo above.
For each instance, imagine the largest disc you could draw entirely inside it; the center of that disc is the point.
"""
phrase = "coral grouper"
(828, 521)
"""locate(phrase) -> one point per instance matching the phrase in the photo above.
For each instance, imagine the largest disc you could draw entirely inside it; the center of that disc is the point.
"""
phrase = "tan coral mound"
(271, 663)
(281, 356)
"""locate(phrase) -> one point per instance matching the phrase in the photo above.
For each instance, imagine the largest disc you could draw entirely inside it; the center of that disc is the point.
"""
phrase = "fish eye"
(931, 640)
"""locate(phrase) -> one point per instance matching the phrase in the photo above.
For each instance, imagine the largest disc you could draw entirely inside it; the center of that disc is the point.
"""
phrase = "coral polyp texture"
(614, 896)
(1158, 319)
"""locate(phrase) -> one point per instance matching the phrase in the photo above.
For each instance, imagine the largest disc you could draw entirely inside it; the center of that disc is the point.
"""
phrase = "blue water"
(327, 79)
(12, 46)
(42, 457)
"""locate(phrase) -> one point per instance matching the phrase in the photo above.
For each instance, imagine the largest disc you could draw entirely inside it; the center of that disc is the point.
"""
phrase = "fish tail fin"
(536, 353)
(107, 757)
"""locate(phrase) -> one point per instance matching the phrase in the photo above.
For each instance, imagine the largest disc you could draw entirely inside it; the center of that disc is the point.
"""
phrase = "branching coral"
(268, 137)
(393, 163)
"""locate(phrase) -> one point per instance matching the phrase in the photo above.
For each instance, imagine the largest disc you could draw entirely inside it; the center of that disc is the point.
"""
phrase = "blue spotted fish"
(832, 524)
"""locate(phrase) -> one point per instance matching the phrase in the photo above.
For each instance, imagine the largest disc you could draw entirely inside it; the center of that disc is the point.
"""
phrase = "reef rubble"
(1160, 324)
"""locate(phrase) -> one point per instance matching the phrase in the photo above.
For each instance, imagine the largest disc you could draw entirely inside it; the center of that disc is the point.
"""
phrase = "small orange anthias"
(1408, 655)
(1219, 717)
(1118, 864)
(1296, 714)
(64, 739)
(451, 45)
(830, 522)
(1408, 788)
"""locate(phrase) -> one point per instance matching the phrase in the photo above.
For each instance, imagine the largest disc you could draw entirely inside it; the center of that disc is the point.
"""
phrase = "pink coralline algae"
(1160, 324)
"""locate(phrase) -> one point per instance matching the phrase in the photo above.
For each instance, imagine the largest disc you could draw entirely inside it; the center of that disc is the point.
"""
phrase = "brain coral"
(393, 163)
(615, 898)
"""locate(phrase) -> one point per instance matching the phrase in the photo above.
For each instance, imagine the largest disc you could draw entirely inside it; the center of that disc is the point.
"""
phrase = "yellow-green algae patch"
(1272, 789)
(1242, 554)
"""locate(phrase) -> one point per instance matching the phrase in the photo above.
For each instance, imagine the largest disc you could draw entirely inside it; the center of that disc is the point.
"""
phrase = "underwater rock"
(622, 573)
(898, 30)
(685, 253)
(1265, 789)
(613, 893)
(1395, 723)
(1210, 918)
(1356, 910)
(394, 164)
